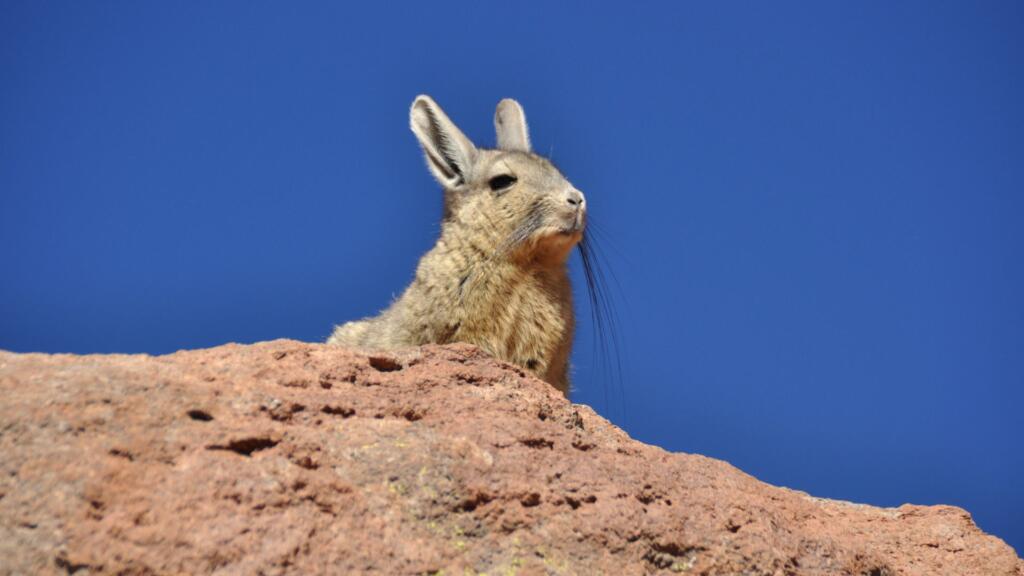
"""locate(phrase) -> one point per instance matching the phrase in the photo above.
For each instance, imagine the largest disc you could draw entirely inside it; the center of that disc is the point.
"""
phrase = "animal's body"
(497, 277)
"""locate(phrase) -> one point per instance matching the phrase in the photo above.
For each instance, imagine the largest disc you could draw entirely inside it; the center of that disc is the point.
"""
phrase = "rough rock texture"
(286, 457)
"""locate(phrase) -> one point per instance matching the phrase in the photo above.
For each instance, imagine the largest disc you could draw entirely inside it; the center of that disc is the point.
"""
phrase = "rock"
(293, 458)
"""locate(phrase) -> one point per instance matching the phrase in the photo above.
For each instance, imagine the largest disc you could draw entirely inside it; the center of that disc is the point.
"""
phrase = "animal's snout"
(576, 214)
(575, 197)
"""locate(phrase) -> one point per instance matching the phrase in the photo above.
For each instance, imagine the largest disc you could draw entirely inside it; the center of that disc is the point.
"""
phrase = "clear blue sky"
(814, 211)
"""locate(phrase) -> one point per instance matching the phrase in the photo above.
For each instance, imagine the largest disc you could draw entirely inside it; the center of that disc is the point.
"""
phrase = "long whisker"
(603, 316)
(599, 231)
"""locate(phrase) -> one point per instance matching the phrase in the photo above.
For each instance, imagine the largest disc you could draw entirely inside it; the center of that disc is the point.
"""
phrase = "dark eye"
(501, 182)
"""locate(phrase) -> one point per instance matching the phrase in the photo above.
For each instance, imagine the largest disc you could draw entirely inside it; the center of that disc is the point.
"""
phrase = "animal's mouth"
(576, 225)
(561, 232)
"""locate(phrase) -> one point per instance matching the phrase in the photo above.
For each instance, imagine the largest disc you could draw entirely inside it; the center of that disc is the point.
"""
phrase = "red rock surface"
(293, 458)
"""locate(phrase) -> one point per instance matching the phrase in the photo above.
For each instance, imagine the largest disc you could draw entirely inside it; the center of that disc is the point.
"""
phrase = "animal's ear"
(450, 155)
(510, 124)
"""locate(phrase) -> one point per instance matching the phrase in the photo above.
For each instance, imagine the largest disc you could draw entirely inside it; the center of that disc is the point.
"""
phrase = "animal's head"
(508, 194)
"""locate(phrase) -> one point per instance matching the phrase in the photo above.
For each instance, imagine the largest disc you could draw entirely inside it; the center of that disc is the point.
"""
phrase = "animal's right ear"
(450, 155)
(510, 125)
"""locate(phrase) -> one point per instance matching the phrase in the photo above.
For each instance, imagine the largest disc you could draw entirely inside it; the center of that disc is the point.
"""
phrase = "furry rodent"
(497, 277)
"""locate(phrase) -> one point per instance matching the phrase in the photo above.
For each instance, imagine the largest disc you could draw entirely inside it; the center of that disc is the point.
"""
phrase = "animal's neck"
(484, 258)
(549, 257)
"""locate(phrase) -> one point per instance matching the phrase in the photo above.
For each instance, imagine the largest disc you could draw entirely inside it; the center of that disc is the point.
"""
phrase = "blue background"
(813, 210)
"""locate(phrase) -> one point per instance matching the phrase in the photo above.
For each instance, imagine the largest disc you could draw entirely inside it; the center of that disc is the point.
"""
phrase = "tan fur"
(497, 277)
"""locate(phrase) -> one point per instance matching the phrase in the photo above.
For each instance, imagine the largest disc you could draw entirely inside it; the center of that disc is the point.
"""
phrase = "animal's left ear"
(510, 124)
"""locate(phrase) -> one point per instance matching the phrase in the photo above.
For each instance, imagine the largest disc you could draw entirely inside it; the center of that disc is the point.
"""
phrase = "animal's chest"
(527, 321)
